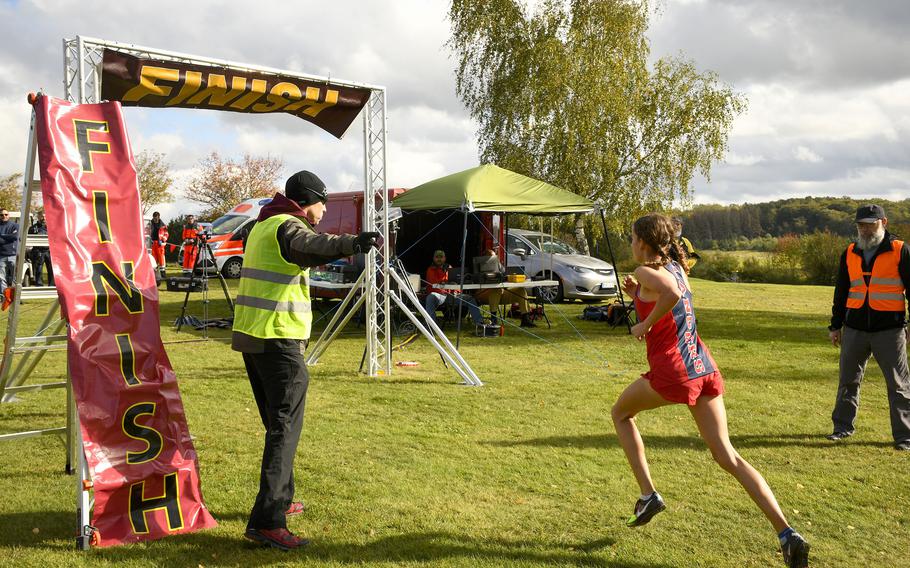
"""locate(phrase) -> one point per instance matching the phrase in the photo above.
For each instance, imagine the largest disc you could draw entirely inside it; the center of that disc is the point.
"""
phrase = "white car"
(544, 256)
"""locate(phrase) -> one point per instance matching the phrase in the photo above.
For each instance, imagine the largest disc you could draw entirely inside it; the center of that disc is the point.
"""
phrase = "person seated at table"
(495, 296)
(438, 273)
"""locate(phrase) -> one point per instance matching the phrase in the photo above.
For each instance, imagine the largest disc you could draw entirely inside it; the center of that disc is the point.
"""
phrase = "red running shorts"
(689, 391)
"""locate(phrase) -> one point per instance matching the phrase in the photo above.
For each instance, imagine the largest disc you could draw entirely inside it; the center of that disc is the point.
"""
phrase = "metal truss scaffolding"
(376, 218)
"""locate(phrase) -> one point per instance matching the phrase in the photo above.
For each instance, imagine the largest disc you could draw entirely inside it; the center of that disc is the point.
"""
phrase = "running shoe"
(282, 539)
(796, 551)
(838, 436)
(645, 509)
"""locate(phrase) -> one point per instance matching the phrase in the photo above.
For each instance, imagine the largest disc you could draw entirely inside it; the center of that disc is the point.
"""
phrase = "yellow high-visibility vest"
(274, 297)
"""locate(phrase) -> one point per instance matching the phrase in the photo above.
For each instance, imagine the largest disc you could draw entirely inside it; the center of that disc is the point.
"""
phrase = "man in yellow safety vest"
(271, 327)
(691, 256)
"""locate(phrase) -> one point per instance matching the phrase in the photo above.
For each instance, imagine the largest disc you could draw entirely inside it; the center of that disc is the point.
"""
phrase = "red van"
(344, 214)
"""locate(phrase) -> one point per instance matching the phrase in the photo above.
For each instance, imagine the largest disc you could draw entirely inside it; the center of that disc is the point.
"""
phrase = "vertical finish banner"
(138, 446)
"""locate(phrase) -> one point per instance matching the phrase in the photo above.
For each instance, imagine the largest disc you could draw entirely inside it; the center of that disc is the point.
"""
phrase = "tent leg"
(464, 245)
(622, 300)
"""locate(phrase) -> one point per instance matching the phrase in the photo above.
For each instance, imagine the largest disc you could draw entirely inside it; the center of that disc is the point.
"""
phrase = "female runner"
(682, 371)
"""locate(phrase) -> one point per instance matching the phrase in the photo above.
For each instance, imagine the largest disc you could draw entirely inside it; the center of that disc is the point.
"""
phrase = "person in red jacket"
(681, 371)
(438, 273)
(190, 248)
(158, 237)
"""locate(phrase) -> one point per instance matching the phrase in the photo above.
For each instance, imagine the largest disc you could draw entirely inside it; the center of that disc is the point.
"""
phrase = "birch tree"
(565, 93)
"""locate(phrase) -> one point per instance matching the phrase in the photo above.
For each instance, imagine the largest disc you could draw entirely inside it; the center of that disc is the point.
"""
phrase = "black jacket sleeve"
(300, 245)
(841, 288)
(903, 268)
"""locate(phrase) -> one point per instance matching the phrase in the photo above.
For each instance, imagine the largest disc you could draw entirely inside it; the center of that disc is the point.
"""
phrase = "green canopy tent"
(494, 189)
(489, 188)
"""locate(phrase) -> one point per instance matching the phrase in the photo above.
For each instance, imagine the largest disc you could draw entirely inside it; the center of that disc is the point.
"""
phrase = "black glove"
(364, 241)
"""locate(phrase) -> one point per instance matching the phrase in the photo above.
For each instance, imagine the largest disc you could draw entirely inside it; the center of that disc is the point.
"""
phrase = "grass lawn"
(414, 469)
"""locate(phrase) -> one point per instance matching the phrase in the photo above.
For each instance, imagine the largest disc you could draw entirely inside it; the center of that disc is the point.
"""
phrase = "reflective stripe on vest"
(272, 305)
(885, 289)
(274, 277)
(273, 301)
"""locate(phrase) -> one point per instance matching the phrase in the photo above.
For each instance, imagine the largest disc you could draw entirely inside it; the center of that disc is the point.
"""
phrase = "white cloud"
(748, 160)
(14, 123)
(828, 89)
(804, 154)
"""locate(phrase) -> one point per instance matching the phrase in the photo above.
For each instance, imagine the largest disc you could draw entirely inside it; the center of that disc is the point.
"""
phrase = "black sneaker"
(796, 551)
(838, 436)
(646, 509)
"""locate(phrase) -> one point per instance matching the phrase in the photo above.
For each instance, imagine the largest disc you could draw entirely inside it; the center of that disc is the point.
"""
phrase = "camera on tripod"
(197, 280)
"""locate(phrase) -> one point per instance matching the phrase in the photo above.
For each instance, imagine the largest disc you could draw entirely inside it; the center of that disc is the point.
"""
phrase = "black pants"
(40, 260)
(279, 381)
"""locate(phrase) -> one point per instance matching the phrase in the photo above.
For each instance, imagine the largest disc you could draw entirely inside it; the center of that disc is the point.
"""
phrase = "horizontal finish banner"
(137, 444)
(144, 82)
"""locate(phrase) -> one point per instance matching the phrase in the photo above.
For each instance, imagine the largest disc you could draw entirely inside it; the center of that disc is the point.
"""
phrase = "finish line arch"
(94, 70)
(92, 66)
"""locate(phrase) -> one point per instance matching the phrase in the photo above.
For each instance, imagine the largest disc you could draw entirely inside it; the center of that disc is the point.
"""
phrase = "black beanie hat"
(305, 188)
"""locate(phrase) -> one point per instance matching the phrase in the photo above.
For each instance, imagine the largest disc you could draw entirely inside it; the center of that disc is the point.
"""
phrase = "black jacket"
(38, 228)
(9, 237)
(865, 318)
(299, 244)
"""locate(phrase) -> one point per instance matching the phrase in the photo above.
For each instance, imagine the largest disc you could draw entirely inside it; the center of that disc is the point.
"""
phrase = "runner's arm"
(658, 282)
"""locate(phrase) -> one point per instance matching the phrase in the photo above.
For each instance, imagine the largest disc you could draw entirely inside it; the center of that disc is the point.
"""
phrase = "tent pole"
(464, 244)
(505, 245)
(622, 301)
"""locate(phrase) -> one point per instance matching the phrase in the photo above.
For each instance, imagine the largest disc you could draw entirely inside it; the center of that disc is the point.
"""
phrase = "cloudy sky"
(828, 84)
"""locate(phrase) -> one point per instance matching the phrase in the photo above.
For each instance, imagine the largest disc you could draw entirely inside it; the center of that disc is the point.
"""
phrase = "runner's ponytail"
(679, 254)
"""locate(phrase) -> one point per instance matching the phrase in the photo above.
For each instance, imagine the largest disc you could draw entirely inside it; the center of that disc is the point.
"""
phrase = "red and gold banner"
(146, 82)
(138, 446)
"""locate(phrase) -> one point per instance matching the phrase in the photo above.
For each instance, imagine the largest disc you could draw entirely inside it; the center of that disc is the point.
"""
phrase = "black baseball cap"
(305, 188)
(869, 213)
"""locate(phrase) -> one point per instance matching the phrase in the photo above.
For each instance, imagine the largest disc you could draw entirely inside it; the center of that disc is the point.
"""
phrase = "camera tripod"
(203, 253)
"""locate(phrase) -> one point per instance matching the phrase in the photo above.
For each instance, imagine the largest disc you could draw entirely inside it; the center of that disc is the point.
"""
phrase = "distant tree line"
(748, 226)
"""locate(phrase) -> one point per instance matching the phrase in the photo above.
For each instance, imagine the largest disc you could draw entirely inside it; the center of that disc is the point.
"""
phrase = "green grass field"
(415, 470)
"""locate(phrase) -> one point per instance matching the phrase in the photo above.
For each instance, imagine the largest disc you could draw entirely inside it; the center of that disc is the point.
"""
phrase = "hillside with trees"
(793, 241)
(754, 226)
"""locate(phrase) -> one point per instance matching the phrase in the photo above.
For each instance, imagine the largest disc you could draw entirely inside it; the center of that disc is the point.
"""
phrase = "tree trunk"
(580, 237)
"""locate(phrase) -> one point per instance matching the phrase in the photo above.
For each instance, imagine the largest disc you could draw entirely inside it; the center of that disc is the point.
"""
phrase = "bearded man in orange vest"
(869, 317)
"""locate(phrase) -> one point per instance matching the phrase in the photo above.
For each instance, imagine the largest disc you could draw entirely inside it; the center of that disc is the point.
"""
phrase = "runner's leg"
(711, 417)
(637, 397)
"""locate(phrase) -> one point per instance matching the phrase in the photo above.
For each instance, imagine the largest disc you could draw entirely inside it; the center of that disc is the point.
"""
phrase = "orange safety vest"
(885, 289)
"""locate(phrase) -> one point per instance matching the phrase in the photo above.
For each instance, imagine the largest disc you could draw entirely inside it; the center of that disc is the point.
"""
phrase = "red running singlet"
(676, 354)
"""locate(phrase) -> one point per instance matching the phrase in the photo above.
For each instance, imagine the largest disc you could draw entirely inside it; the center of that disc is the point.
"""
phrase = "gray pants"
(890, 350)
(7, 272)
